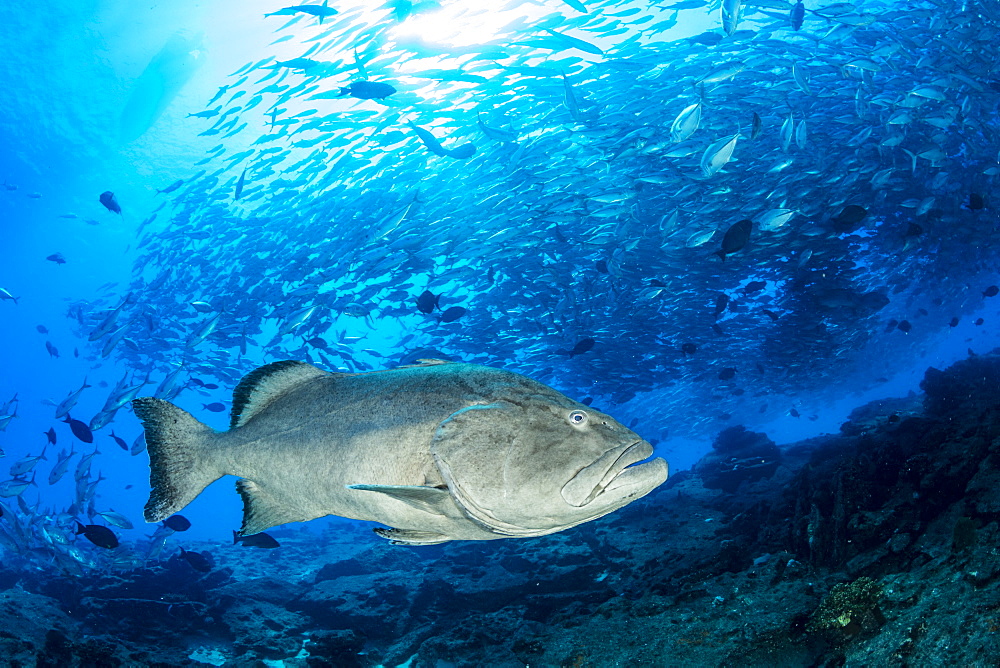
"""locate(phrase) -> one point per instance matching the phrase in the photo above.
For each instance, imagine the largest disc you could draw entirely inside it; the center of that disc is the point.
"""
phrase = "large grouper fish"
(438, 451)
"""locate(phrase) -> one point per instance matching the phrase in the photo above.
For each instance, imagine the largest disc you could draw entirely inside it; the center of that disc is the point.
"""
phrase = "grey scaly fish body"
(437, 451)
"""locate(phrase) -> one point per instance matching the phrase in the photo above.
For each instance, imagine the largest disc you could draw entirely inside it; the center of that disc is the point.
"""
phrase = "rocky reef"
(875, 546)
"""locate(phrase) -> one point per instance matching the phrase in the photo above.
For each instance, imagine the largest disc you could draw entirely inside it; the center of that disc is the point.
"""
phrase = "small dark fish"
(452, 314)
(57, 258)
(428, 301)
(303, 64)
(976, 202)
(754, 286)
(368, 90)
(706, 38)
(318, 342)
(602, 266)
(894, 418)
(587, 401)
(991, 291)
(430, 141)
(721, 302)
(98, 535)
(582, 346)
(735, 239)
(53, 351)
(633, 423)
(173, 186)
(727, 374)
(978, 322)
(756, 126)
(240, 183)
(771, 314)
(954, 322)
(261, 540)
(794, 413)
(210, 386)
(849, 218)
(905, 326)
(120, 441)
(208, 113)
(197, 560)
(319, 11)
(922, 311)
(797, 15)
(110, 203)
(462, 152)
(718, 330)
(215, 408)
(689, 349)
(51, 435)
(177, 523)
(42, 329)
(891, 325)
(80, 430)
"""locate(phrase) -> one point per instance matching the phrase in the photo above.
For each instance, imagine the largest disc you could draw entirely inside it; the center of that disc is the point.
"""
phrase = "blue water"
(98, 101)
(97, 96)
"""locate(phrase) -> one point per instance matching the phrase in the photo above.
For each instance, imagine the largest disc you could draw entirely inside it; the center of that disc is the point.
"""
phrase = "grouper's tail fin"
(180, 465)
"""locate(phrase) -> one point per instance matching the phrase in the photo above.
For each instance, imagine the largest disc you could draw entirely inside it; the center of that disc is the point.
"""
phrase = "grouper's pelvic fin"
(179, 465)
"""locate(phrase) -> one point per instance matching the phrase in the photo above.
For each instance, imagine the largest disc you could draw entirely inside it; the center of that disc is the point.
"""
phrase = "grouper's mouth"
(617, 476)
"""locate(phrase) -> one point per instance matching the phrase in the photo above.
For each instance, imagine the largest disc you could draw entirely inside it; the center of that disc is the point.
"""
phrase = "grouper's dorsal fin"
(261, 386)
(424, 361)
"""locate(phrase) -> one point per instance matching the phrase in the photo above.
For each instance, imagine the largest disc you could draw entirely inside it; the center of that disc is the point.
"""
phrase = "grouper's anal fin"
(411, 537)
(262, 386)
(262, 510)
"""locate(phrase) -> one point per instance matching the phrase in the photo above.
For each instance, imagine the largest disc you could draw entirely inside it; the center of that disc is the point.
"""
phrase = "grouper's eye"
(577, 418)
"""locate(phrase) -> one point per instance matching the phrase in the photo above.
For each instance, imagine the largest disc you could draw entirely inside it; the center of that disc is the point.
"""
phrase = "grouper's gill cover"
(437, 451)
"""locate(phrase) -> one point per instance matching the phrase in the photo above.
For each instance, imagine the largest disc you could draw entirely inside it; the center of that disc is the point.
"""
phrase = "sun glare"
(456, 25)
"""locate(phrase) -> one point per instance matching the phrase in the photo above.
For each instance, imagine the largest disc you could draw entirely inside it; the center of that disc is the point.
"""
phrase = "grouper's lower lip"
(627, 471)
(636, 452)
(579, 492)
(638, 480)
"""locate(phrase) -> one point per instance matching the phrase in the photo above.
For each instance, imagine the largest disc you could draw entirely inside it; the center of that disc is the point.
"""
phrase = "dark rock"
(340, 649)
(968, 384)
(738, 456)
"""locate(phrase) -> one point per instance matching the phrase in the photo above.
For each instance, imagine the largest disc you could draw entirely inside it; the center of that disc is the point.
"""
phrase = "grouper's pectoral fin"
(262, 511)
(411, 537)
(435, 500)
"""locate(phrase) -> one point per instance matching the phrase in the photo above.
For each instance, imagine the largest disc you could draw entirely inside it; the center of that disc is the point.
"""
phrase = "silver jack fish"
(438, 451)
